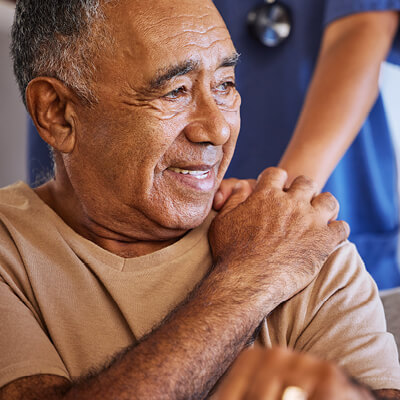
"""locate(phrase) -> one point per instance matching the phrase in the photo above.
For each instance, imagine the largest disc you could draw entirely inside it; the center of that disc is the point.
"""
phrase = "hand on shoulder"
(275, 240)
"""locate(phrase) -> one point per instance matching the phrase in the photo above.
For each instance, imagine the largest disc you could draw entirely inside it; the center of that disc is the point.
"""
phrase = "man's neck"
(62, 201)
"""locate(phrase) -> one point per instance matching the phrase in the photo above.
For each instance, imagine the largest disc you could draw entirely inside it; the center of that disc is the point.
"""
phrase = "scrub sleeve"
(370, 167)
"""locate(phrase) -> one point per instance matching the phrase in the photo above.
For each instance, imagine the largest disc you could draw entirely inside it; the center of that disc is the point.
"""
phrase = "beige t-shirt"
(67, 305)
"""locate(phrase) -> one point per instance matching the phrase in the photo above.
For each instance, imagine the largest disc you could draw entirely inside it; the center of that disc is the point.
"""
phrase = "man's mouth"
(198, 174)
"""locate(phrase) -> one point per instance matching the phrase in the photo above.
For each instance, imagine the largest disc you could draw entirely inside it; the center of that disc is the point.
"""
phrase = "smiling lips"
(198, 174)
(201, 178)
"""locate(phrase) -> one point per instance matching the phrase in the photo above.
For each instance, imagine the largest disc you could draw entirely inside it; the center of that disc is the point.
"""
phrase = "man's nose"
(207, 122)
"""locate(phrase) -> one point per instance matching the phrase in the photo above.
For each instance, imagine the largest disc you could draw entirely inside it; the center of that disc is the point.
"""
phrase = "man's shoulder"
(15, 201)
(343, 265)
(345, 256)
(15, 196)
(343, 294)
(343, 279)
(24, 223)
(343, 271)
(21, 210)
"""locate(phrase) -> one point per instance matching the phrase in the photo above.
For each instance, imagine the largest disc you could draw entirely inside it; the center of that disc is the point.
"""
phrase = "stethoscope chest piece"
(270, 23)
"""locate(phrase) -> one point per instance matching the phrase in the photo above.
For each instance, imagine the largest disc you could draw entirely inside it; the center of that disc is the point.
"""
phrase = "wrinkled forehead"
(166, 30)
(159, 16)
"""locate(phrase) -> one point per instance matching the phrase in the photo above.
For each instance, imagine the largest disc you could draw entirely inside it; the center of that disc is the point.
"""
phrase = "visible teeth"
(197, 174)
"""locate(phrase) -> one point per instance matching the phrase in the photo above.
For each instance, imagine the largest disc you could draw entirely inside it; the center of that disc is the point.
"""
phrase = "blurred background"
(12, 112)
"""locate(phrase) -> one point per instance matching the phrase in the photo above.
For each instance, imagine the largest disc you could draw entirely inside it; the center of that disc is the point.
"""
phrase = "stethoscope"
(270, 23)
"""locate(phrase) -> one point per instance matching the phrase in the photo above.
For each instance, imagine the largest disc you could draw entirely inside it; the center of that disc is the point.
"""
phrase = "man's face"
(163, 132)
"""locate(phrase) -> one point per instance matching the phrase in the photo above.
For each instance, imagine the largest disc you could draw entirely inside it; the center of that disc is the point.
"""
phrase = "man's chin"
(186, 218)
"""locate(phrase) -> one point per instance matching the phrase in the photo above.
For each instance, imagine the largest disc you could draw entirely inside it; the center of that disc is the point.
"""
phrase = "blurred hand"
(265, 374)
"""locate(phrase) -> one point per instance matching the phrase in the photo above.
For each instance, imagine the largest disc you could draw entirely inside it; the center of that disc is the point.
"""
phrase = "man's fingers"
(278, 373)
(252, 183)
(303, 186)
(341, 228)
(266, 387)
(239, 378)
(241, 191)
(267, 381)
(223, 193)
(226, 189)
(327, 204)
(303, 374)
(271, 178)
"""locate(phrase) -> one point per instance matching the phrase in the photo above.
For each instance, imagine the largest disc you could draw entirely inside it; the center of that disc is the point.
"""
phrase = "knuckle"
(329, 200)
(247, 185)
(303, 185)
(344, 228)
(275, 170)
(272, 172)
(305, 181)
(230, 182)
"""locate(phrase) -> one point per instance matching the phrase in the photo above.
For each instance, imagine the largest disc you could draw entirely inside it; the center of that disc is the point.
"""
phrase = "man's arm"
(343, 89)
(259, 246)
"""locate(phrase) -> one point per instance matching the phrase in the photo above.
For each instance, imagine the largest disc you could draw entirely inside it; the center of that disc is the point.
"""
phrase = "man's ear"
(50, 104)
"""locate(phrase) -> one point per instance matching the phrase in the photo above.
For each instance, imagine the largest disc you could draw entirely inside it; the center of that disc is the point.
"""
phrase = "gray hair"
(59, 39)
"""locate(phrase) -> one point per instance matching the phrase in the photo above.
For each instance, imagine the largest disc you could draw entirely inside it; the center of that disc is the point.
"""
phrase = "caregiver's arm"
(343, 90)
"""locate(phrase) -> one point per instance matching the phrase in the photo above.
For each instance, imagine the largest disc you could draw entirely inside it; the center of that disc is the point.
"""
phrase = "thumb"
(241, 191)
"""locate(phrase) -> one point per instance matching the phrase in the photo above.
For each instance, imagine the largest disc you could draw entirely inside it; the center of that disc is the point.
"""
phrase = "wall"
(390, 86)
(12, 111)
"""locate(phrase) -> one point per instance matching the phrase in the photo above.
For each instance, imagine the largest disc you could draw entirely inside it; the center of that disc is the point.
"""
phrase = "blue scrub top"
(273, 83)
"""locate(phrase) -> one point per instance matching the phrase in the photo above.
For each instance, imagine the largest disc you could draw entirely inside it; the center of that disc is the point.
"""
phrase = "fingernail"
(238, 186)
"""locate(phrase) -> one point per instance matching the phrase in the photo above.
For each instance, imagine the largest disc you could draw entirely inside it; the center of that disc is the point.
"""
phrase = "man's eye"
(226, 86)
(174, 94)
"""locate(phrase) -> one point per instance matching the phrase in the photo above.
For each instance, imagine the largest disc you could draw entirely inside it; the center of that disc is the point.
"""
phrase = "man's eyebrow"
(185, 67)
(230, 61)
(166, 75)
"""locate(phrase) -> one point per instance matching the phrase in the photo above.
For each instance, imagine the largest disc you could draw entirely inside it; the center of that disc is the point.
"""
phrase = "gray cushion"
(391, 302)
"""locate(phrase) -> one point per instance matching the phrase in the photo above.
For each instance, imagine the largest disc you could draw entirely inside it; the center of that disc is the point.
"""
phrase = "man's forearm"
(186, 355)
(183, 358)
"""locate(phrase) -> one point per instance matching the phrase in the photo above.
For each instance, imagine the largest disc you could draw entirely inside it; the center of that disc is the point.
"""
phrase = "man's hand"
(267, 374)
(274, 241)
(230, 186)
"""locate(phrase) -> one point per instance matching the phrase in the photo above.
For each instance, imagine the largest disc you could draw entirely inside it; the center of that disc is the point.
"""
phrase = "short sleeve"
(339, 317)
(346, 322)
(25, 348)
(336, 9)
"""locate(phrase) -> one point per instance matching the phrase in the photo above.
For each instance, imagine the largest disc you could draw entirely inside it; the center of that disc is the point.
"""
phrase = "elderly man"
(110, 286)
